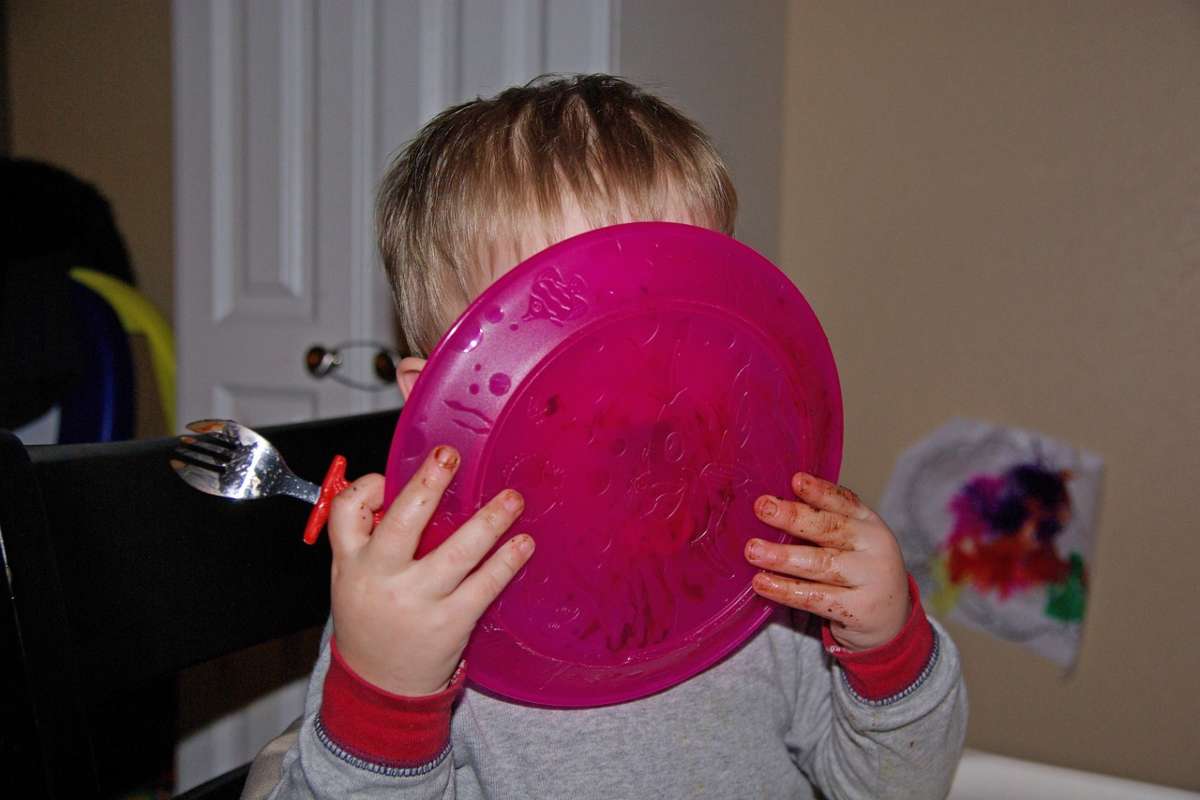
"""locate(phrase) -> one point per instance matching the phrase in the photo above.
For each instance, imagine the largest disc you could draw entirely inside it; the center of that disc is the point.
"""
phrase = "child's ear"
(407, 374)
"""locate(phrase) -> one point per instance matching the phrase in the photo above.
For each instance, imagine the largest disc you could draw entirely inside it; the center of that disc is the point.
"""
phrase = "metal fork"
(228, 459)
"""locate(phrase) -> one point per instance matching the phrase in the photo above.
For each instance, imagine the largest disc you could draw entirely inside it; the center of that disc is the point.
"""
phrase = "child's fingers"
(818, 598)
(821, 564)
(825, 496)
(400, 529)
(481, 589)
(454, 558)
(825, 528)
(350, 517)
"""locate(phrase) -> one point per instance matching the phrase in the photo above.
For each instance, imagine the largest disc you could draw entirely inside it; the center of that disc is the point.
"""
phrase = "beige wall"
(995, 209)
(90, 87)
(720, 62)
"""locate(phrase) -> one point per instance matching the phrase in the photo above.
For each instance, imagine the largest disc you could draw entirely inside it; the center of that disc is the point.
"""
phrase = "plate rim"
(475, 313)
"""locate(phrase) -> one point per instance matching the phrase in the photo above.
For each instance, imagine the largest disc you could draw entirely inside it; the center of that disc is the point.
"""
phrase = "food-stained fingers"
(456, 557)
(483, 586)
(820, 564)
(817, 598)
(801, 520)
(398, 533)
(350, 514)
(825, 496)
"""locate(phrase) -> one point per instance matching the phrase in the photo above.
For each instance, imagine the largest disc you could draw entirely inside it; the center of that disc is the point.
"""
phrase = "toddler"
(849, 691)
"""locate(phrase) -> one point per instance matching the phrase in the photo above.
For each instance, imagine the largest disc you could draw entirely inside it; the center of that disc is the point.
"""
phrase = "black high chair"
(117, 575)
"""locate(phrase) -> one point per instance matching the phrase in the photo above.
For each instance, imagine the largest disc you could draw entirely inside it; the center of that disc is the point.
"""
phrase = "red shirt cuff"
(376, 726)
(891, 669)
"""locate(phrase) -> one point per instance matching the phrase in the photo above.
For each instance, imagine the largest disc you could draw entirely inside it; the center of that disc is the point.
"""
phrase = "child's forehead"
(534, 235)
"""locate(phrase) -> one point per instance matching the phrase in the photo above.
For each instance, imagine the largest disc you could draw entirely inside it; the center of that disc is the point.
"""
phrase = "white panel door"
(286, 113)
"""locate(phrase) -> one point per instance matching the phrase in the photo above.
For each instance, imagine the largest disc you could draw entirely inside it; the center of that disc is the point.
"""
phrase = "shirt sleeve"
(357, 740)
(889, 722)
(893, 668)
(362, 722)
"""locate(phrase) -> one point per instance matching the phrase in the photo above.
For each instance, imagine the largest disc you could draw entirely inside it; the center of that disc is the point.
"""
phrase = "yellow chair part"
(945, 595)
(139, 317)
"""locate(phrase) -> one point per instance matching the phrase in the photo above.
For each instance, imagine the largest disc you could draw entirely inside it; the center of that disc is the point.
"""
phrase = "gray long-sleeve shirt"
(774, 720)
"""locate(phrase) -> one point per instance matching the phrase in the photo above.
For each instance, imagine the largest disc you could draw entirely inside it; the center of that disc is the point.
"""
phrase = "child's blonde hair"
(483, 174)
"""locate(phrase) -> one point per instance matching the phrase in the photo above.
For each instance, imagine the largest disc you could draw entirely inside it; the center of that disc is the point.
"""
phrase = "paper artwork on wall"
(997, 526)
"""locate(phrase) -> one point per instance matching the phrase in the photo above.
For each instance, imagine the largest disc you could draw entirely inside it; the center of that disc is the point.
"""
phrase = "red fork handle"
(335, 481)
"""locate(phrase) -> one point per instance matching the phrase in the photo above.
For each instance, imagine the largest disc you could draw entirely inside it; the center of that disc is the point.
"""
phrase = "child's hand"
(852, 574)
(402, 624)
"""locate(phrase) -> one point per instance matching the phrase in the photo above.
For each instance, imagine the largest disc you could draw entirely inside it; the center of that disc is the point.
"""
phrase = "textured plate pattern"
(641, 385)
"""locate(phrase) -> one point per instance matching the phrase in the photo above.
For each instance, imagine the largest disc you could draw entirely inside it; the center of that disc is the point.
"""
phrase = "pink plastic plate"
(640, 385)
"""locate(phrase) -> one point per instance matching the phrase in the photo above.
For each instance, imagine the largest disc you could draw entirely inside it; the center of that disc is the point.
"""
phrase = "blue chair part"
(100, 407)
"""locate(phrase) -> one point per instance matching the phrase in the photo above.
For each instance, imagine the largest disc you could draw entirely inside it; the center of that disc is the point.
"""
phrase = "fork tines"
(206, 451)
